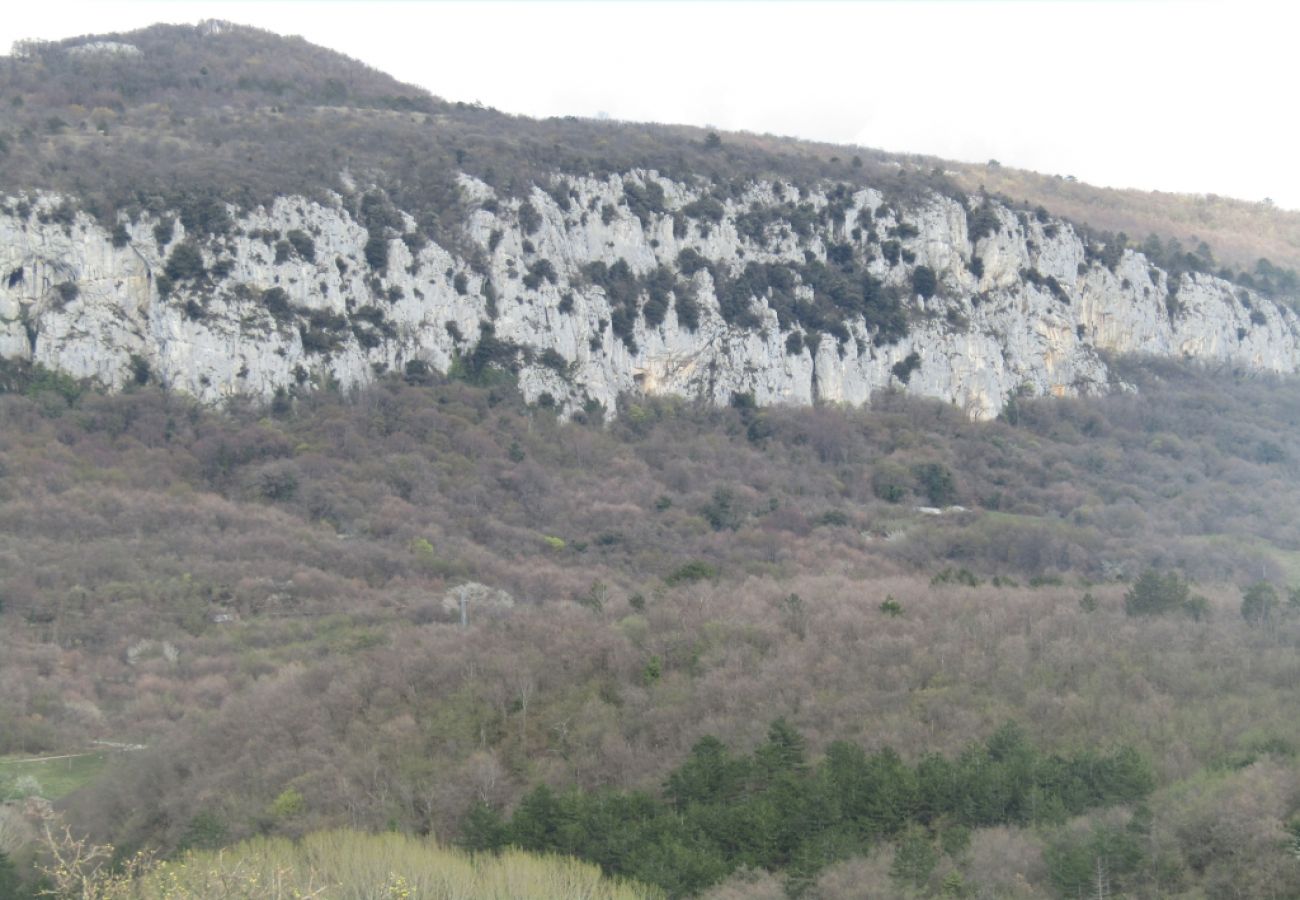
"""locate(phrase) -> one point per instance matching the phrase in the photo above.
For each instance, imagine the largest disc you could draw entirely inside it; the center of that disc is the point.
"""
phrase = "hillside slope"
(718, 635)
(1240, 233)
(268, 602)
(304, 220)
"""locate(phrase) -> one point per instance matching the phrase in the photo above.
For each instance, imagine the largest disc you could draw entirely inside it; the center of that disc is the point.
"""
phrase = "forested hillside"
(265, 600)
(462, 624)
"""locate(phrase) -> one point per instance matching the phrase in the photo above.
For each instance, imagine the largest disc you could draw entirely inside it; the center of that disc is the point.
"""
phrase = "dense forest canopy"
(268, 602)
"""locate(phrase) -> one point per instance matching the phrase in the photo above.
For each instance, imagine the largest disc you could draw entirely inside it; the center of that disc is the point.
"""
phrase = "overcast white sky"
(1179, 96)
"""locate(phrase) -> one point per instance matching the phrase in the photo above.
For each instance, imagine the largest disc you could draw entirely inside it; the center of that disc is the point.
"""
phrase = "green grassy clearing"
(57, 777)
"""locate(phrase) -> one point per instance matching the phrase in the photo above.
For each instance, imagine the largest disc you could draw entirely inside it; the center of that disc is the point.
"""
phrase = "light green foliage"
(23, 787)
(352, 864)
(654, 668)
(52, 779)
(430, 562)
(288, 804)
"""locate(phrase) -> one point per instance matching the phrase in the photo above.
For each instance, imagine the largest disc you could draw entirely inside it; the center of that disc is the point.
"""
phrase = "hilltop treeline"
(228, 113)
(242, 116)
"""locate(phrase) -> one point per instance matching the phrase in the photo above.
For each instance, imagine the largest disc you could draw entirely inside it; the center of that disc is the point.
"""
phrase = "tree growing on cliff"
(924, 281)
(377, 250)
(185, 262)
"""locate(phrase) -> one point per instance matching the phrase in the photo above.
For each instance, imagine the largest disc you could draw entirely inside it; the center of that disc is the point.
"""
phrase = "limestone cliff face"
(1023, 307)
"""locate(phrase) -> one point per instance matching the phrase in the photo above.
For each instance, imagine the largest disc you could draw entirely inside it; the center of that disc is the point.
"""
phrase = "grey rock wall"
(72, 300)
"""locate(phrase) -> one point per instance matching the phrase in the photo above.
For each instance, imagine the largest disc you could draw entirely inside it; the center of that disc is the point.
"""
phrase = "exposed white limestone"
(72, 298)
(105, 48)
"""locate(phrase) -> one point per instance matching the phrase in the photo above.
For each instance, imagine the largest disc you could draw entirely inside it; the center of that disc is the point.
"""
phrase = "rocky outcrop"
(301, 293)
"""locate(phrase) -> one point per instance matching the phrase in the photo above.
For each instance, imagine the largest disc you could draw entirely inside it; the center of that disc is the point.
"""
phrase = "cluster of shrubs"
(323, 331)
(1046, 282)
(800, 218)
(296, 242)
(904, 368)
(540, 270)
(934, 481)
(624, 291)
(1107, 249)
(491, 355)
(840, 294)
(774, 809)
(644, 202)
(1156, 593)
(982, 222)
(185, 265)
(377, 211)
